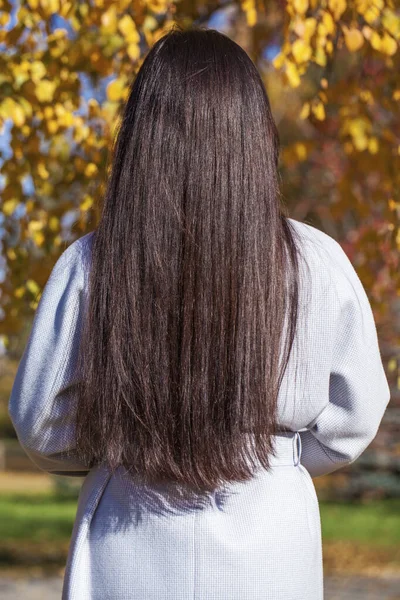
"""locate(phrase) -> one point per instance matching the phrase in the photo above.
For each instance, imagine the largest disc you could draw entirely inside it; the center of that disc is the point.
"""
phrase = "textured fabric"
(258, 540)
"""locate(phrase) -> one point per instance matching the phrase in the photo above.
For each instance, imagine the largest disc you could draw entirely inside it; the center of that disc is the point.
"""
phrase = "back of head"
(193, 274)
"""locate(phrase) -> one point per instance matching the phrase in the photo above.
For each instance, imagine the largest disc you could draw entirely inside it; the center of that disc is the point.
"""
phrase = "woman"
(200, 356)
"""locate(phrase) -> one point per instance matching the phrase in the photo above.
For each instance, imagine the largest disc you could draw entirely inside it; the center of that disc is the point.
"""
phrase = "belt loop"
(297, 442)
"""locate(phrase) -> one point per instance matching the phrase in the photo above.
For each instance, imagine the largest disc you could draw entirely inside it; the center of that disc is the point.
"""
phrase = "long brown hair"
(194, 272)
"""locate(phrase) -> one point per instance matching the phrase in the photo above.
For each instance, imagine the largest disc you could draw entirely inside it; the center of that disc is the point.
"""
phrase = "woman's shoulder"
(331, 266)
(73, 262)
(320, 248)
(82, 245)
(315, 238)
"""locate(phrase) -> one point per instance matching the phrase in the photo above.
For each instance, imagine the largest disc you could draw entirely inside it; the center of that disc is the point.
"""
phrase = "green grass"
(39, 518)
(376, 523)
(35, 529)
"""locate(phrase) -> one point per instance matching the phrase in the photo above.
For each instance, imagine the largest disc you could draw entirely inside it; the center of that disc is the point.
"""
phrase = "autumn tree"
(330, 68)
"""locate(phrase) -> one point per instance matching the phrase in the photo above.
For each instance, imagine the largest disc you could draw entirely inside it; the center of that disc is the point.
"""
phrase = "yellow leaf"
(48, 112)
(392, 365)
(50, 6)
(35, 225)
(54, 223)
(301, 51)
(323, 97)
(115, 90)
(310, 25)
(362, 5)
(67, 119)
(12, 255)
(375, 40)
(82, 132)
(353, 38)
(45, 90)
(66, 8)
(38, 70)
(133, 52)
(4, 19)
(52, 126)
(38, 238)
(83, 9)
(388, 44)
(59, 110)
(360, 142)
(9, 108)
(305, 111)
(32, 286)
(128, 29)
(5, 340)
(300, 6)
(109, 21)
(9, 206)
(319, 111)
(396, 95)
(25, 65)
(19, 292)
(322, 32)
(292, 74)
(86, 203)
(391, 22)
(157, 6)
(372, 13)
(357, 126)
(337, 7)
(149, 23)
(320, 56)
(90, 169)
(251, 17)
(301, 151)
(43, 172)
(329, 47)
(373, 145)
(74, 22)
(366, 96)
(279, 60)
(367, 32)
(18, 115)
(329, 23)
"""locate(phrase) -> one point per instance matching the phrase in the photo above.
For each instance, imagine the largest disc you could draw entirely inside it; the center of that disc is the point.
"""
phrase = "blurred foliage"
(331, 69)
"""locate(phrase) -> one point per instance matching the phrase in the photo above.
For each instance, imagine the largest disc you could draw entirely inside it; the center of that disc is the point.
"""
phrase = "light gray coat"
(255, 541)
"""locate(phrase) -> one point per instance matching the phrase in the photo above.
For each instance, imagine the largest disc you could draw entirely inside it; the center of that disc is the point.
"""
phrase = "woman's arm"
(358, 389)
(41, 405)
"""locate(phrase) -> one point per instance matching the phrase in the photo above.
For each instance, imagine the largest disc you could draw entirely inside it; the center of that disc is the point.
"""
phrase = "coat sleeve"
(358, 388)
(41, 401)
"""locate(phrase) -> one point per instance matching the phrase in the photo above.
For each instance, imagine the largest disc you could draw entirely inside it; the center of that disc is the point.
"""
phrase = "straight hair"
(194, 280)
